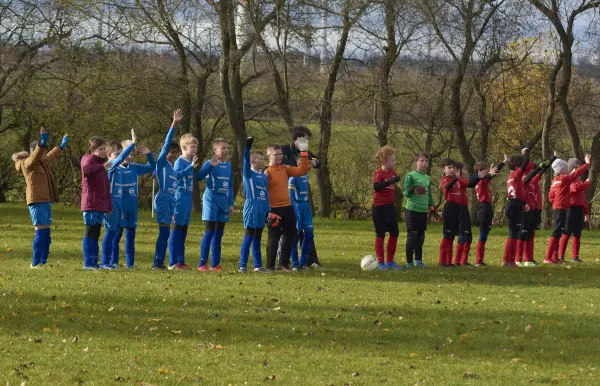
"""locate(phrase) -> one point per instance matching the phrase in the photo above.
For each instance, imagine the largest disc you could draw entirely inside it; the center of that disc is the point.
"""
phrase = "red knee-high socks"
(520, 250)
(464, 259)
(480, 252)
(552, 248)
(575, 244)
(510, 248)
(379, 250)
(528, 250)
(391, 249)
(445, 252)
(562, 246)
(458, 253)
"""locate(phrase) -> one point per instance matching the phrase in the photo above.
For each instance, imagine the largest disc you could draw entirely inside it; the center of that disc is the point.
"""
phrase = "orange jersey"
(278, 176)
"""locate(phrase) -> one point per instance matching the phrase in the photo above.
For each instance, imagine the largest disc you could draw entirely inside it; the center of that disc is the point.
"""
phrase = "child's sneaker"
(420, 264)
(382, 266)
(316, 265)
(132, 267)
(519, 263)
(159, 267)
(259, 269)
(409, 265)
(242, 269)
(115, 266)
(548, 261)
(217, 268)
(561, 260)
(393, 265)
(442, 265)
(285, 269)
(576, 260)
(174, 267)
(202, 268)
(185, 266)
(85, 267)
(266, 270)
(482, 264)
(529, 264)
(39, 266)
(107, 267)
(294, 269)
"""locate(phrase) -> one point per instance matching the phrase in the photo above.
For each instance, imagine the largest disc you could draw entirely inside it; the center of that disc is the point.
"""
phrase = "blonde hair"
(113, 147)
(384, 152)
(187, 139)
(257, 152)
(219, 141)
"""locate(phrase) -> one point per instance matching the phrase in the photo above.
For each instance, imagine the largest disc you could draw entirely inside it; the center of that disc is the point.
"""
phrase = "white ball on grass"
(368, 263)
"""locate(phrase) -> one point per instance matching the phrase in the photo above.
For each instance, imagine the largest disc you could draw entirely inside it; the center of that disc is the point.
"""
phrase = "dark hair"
(515, 161)
(420, 155)
(32, 146)
(174, 146)
(274, 147)
(94, 143)
(459, 165)
(113, 147)
(448, 162)
(479, 166)
(299, 132)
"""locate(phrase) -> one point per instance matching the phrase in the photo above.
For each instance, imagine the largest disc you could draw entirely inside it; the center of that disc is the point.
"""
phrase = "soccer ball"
(368, 263)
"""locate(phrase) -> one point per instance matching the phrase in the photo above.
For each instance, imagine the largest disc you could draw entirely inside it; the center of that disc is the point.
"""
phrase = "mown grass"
(337, 325)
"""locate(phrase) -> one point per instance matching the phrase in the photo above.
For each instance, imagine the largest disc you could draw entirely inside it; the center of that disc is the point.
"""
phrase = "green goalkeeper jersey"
(418, 202)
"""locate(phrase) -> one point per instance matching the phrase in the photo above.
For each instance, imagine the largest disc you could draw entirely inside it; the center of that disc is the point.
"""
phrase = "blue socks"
(161, 245)
(88, 251)
(245, 251)
(182, 237)
(294, 252)
(256, 252)
(306, 244)
(173, 247)
(216, 248)
(107, 246)
(38, 247)
(205, 247)
(130, 247)
(115, 247)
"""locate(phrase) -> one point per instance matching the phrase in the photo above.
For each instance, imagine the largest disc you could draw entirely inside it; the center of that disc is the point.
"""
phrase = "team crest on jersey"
(131, 191)
(225, 184)
(174, 184)
(120, 191)
(262, 193)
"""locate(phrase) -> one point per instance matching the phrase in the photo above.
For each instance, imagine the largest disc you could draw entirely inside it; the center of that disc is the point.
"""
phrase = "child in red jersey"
(575, 214)
(524, 252)
(451, 188)
(560, 197)
(485, 210)
(383, 209)
(465, 237)
(516, 205)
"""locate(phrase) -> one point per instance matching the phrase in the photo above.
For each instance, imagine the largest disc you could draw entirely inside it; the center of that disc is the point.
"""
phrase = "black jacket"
(290, 153)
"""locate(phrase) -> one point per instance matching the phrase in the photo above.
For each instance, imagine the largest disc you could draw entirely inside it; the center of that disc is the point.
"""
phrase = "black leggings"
(287, 230)
(385, 220)
(93, 231)
(416, 225)
(211, 226)
(254, 232)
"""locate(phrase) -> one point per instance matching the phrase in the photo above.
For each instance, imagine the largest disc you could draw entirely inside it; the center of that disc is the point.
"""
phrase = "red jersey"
(560, 191)
(455, 194)
(514, 185)
(531, 192)
(483, 190)
(386, 195)
(578, 189)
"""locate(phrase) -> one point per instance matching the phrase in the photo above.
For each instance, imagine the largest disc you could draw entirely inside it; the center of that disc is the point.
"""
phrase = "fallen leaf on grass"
(270, 378)
(176, 331)
(528, 327)
(111, 309)
(356, 374)
(86, 349)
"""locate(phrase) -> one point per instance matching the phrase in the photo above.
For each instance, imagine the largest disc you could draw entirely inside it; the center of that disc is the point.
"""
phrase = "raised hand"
(214, 160)
(556, 154)
(177, 117)
(249, 142)
(493, 170)
(107, 165)
(64, 141)
(395, 179)
(143, 150)
(302, 143)
(506, 158)
(483, 173)
(524, 150)
(133, 136)
(588, 158)
(44, 137)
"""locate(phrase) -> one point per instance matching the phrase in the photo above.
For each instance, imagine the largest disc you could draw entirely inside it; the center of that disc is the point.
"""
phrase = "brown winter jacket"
(41, 184)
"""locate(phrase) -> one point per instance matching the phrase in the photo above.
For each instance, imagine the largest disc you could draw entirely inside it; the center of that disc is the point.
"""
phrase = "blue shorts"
(130, 213)
(183, 209)
(215, 207)
(255, 214)
(164, 206)
(41, 213)
(304, 220)
(93, 217)
(113, 221)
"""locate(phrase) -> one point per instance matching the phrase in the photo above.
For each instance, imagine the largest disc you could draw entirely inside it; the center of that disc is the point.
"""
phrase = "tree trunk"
(384, 97)
(198, 133)
(563, 92)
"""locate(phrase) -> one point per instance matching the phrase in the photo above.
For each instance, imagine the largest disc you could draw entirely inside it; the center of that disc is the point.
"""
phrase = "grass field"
(334, 326)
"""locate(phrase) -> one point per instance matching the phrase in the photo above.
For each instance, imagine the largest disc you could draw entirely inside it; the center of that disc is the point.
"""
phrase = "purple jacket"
(95, 189)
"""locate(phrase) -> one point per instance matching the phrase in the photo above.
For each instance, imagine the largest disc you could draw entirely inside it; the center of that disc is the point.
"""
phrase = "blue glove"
(64, 142)
(44, 139)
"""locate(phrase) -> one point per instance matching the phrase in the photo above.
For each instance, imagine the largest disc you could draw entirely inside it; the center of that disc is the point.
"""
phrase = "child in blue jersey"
(217, 204)
(164, 202)
(113, 221)
(256, 205)
(129, 178)
(298, 189)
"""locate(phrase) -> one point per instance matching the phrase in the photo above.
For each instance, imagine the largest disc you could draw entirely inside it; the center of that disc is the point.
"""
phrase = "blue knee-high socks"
(38, 246)
(181, 250)
(115, 247)
(205, 247)
(107, 246)
(245, 251)
(90, 252)
(174, 247)
(161, 246)
(306, 245)
(256, 254)
(216, 248)
(130, 247)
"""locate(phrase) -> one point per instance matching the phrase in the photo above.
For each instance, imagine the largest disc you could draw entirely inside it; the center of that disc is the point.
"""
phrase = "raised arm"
(247, 167)
(119, 160)
(206, 168)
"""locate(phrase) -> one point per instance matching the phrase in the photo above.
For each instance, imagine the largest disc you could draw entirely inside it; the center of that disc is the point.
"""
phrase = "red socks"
(510, 248)
(520, 250)
(390, 249)
(445, 252)
(562, 246)
(552, 248)
(575, 244)
(458, 253)
(480, 252)
(379, 249)
(464, 259)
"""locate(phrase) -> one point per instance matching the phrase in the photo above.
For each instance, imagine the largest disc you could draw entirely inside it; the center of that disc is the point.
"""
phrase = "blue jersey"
(185, 180)
(167, 176)
(255, 183)
(298, 188)
(129, 176)
(219, 179)
(114, 173)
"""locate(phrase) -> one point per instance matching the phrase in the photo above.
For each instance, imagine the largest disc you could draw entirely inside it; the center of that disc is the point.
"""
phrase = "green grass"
(334, 326)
